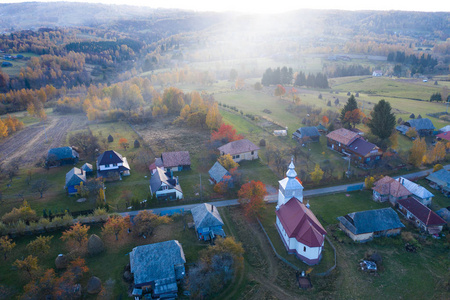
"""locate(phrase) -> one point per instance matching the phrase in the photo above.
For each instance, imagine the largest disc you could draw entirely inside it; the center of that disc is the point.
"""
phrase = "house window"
(304, 248)
(114, 165)
(107, 166)
(253, 152)
(237, 156)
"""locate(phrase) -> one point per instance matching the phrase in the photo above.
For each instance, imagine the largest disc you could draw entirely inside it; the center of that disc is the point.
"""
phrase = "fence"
(353, 188)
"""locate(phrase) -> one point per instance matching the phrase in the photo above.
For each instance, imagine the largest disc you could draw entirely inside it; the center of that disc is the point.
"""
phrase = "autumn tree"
(436, 154)
(353, 117)
(325, 120)
(251, 197)
(437, 167)
(28, 264)
(368, 182)
(123, 142)
(115, 225)
(6, 246)
(226, 133)
(41, 245)
(317, 174)
(418, 151)
(411, 133)
(24, 213)
(279, 91)
(85, 141)
(227, 162)
(77, 233)
(213, 117)
(221, 188)
(3, 130)
(382, 121)
(146, 221)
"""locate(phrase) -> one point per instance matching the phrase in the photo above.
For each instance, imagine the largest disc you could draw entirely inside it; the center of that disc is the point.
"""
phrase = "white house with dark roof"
(240, 150)
(165, 186)
(208, 222)
(159, 266)
(421, 216)
(111, 163)
(420, 193)
(299, 229)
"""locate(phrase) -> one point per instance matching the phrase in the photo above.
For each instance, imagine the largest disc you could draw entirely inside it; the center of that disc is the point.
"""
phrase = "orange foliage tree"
(251, 197)
(77, 232)
(325, 120)
(115, 225)
(123, 142)
(226, 133)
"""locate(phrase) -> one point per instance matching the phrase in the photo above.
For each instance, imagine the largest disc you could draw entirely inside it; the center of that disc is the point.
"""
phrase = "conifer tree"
(383, 120)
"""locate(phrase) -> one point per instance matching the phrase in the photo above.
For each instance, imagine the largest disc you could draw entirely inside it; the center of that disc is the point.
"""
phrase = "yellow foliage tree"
(317, 174)
(227, 162)
(3, 130)
(418, 151)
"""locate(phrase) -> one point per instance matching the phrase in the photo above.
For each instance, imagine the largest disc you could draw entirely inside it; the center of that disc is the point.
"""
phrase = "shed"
(306, 134)
(218, 172)
(423, 126)
(73, 178)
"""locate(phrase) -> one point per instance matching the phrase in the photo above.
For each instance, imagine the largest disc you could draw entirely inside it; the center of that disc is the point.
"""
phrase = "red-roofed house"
(301, 232)
(173, 161)
(422, 216)
(387, 188)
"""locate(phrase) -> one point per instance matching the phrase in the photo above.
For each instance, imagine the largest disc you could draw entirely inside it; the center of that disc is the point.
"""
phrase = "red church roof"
(300, 223)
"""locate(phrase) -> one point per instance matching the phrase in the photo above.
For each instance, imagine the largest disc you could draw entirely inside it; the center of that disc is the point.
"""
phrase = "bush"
(137, 144)
(110, 139)
(262, 143)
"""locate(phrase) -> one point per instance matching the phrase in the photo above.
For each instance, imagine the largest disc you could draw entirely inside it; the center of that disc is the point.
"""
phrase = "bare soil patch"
(34, 141)
(164, 136)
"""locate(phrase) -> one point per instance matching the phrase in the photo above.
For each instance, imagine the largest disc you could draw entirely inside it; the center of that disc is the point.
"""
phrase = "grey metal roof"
(75, 176)
(442, 176)
(63, 153)
(155, 262)
(160, 177)
(402, 128)
(87, 167)
(415, 189)
(206, 215)
(420, 124)
(371, 220)
(308, 132)
(217, 172)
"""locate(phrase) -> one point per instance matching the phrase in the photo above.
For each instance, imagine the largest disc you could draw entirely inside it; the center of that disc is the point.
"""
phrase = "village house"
(299, 229)
(61, 156)
(353, 144)
(440, 180)
(73, 179)
(240, 150)
(172, 161)
(306, 134)
(158, 267)
(443, 136)
(418, 192)
(165, 186)
(111, 164)
(218, 173)
(423, 217)
(207, 221)
(365, 225)
(377, 73)
(87, 167)
(389, 189)
(423, 126)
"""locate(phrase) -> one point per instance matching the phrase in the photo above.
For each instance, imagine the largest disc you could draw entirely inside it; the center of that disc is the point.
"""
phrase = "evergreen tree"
(351, 105)
(383, 120)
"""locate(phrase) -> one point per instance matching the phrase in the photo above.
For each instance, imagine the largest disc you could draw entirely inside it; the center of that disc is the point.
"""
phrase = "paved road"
(273, 198)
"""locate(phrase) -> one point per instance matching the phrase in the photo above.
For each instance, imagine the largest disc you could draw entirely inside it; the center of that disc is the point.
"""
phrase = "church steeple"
(290, 186)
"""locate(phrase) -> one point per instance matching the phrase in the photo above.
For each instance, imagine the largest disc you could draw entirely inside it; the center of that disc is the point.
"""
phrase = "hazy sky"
(279, 5)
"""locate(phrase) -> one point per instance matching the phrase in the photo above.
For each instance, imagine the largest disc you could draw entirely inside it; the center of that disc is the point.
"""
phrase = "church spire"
(291, 169)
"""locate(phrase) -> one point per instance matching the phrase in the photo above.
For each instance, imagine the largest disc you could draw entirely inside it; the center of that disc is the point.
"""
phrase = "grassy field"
(17, 64)
(402, 274)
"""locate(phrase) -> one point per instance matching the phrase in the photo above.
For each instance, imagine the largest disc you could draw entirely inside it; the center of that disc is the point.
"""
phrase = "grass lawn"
(439, 200)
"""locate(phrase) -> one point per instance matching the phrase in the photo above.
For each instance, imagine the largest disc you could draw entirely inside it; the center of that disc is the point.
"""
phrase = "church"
(300, 231)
